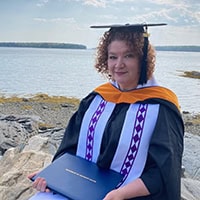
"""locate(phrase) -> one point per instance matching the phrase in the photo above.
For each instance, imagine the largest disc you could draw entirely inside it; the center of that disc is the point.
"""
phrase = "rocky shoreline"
(31, 130)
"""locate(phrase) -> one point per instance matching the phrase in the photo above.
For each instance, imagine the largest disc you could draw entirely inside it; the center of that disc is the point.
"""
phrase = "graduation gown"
(162, 166)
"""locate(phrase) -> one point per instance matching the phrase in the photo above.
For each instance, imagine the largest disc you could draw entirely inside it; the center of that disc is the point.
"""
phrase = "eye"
(129, 55)
(112, 57)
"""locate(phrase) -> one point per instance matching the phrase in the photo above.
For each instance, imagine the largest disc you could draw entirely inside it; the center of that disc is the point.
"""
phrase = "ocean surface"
(64, 72)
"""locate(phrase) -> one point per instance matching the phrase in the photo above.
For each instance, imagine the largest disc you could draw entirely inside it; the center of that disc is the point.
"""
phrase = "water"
(27, 71)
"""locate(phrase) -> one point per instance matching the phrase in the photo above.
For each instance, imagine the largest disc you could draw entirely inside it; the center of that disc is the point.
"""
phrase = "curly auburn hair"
(134, 39)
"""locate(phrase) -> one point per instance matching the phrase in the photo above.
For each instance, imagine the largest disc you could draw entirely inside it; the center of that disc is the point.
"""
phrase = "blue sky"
(69, 20)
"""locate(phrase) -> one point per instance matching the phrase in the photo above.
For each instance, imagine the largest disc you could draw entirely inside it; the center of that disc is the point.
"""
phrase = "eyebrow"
(126, 52)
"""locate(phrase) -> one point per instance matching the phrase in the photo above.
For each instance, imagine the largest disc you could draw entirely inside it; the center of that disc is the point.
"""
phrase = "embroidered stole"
(131, 153)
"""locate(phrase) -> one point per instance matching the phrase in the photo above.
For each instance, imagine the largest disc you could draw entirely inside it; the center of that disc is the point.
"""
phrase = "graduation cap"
(135, 28)
(127, 25)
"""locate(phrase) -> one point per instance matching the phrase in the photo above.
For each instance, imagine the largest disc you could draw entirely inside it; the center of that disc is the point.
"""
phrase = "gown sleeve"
(162, 173)
(70, 139)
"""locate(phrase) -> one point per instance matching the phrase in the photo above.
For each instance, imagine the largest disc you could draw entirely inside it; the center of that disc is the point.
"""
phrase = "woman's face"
(123, 65)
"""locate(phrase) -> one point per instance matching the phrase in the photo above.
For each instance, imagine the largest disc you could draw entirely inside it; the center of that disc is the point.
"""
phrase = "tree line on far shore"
(178, 48)
(43, 45)
(80, 46)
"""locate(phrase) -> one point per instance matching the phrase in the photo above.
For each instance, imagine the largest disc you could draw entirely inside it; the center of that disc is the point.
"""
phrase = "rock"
(192, 74)
(66, 105)
(16, 165)
(44, 107)
(55, 135)
(186, 112)
(16, 130)
(191, 156)
(43, 144)
(190, 189)
(25, 99)
(188, 123)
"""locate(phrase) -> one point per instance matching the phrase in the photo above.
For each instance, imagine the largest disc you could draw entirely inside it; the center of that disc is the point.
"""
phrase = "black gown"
(162, 170)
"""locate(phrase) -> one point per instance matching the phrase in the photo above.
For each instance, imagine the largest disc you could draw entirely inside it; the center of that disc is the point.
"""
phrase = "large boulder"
(16, 130)
(190, 189)
(191, 156)
(16, 164)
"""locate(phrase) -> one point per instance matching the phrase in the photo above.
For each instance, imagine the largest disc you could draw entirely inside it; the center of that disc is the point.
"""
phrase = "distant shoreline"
(178, 48)
(43, 45)
(184, 48)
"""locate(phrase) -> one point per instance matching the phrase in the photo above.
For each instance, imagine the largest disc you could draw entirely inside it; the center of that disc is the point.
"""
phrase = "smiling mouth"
(120, 73)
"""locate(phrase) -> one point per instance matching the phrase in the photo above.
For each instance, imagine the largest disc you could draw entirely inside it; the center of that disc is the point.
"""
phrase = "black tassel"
(143, 71)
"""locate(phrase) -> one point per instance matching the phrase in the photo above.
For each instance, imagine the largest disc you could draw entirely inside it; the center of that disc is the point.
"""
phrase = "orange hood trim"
(112, 94)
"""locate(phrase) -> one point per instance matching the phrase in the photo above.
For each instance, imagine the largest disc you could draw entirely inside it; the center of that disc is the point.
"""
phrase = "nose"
(119, 63)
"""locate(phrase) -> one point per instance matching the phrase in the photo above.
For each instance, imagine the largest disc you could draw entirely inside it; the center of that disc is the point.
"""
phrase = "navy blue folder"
(79, 179)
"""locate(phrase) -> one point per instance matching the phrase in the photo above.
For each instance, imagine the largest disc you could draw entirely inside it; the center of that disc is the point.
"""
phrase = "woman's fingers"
(47, 190)
(40, 184)
(32, 175)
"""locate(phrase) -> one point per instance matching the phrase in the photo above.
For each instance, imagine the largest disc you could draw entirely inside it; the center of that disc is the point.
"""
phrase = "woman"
(130, 124)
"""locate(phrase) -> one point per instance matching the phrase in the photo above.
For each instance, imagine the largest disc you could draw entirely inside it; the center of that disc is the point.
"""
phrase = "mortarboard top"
(127, 25)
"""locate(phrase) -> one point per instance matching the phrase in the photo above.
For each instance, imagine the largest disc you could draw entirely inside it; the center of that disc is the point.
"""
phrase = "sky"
(69, 21)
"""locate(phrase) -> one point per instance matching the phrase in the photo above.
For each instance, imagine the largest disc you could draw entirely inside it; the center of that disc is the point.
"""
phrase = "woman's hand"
(39, 183)
(133, 189)
(114, 195)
